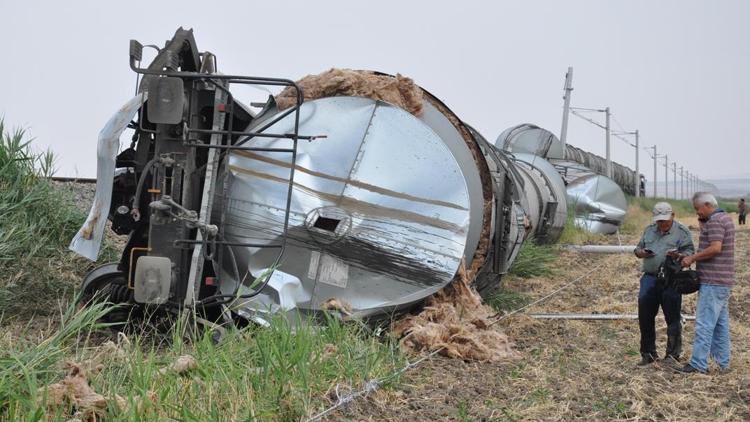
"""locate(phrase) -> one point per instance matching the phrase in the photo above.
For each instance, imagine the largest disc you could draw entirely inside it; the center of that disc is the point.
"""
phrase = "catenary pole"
(568, 90)
(609, 157)
(682, 182)
(637, 169)
(666, 176)
(655, 172)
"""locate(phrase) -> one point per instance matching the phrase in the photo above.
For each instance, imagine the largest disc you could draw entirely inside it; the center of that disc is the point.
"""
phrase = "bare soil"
(572, 369)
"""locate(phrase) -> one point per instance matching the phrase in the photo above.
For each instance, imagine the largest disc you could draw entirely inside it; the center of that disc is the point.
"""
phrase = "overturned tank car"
(598, 202)
(350, 190)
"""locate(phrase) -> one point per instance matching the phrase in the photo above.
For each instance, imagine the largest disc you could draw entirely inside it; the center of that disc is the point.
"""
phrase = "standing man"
(743, 211)
(715, 260)
(664, 236)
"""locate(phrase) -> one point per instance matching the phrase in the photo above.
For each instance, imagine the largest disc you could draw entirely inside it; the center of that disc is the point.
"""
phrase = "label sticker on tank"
(312, 270)
(329, 269)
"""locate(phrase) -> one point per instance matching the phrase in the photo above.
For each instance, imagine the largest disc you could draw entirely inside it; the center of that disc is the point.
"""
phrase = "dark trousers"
(652, 295)
(742, 218)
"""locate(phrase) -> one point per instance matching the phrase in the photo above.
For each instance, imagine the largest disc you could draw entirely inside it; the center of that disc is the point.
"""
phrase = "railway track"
(73, 179)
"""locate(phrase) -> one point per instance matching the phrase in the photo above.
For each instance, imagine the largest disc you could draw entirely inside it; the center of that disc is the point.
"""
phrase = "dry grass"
(581, 369)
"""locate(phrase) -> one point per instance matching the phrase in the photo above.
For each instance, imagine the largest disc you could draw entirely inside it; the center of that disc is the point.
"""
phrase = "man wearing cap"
(665, 236)
(715, 265)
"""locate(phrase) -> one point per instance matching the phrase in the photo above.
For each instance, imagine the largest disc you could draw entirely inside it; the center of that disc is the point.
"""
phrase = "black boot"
(647, 358)
(674, 346)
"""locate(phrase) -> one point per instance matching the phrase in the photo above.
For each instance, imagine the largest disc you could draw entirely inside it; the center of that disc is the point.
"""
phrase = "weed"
(504, 300)
(540, 394)
(278, 372)
(681, 207)
(518, 371)
(574, 234)
(533, 260)
(463, 411)
(509, 414)
(610, 407)
(608, 333)
(36, 224)
(632, 351)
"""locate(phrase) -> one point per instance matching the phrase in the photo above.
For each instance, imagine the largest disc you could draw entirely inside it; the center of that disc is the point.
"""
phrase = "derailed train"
(367, 196)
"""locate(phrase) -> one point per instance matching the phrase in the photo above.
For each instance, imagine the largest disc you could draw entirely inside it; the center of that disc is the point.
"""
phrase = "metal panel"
(207, 201)
(382, 203)
(532, 139)
(525, 138)
(599, 203)
(555, 185)
(88, 240)
(452, 139)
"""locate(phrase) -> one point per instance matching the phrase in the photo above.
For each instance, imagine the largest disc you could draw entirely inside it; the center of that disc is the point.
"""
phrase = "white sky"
(679, 71)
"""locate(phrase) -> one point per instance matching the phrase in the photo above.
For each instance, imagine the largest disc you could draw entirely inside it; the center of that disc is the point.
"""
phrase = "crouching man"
(665, 236)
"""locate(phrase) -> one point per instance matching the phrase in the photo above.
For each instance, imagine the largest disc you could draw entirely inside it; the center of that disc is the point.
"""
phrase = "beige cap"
(662, 211)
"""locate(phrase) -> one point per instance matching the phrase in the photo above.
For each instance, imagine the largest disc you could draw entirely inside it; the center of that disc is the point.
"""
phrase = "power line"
(592, 121)
(618, 123)
(573, 110)
(596, 110)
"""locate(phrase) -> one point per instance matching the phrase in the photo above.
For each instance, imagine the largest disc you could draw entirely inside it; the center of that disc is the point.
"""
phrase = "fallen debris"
(114, 351)
(181, 365)
(138, 402)
(456, 322)
(339, 305)
(399, 90)
(75, 389)
(329, 350)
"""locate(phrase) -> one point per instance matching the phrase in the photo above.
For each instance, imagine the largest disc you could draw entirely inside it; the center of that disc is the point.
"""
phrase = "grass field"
(58, 362)
(573, 369)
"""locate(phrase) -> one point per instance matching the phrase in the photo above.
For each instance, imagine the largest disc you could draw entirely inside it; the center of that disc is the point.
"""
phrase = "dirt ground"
(572, 369)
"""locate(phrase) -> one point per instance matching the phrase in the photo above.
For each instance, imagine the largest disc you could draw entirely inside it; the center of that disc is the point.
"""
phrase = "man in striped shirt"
(715, 264)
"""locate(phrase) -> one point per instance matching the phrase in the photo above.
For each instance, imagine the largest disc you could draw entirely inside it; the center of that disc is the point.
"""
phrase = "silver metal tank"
(599, 203)
(546, 194)
(532, 139)
(384, 209)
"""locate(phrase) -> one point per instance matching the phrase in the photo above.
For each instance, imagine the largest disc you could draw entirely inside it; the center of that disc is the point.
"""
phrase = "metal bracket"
(207, 200)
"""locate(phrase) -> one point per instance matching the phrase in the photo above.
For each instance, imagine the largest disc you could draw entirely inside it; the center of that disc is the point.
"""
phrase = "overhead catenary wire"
(579, 112)
(595, 123)
(593, 110)
(373, 385)
(592, 121)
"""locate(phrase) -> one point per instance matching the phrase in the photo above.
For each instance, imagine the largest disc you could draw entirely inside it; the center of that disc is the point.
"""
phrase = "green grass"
(36, 224)
(34, 219)
(282, 372)
(273, 373)
(24, 365)
(681, 207)
(729, 205)
(533, 260)
(576, 235)
(505, 300)
(610, 407)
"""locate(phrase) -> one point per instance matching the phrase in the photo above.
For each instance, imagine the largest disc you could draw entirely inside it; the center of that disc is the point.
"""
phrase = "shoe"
(723, 371)
(689, 369)
(670, 359)
(647, 359)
